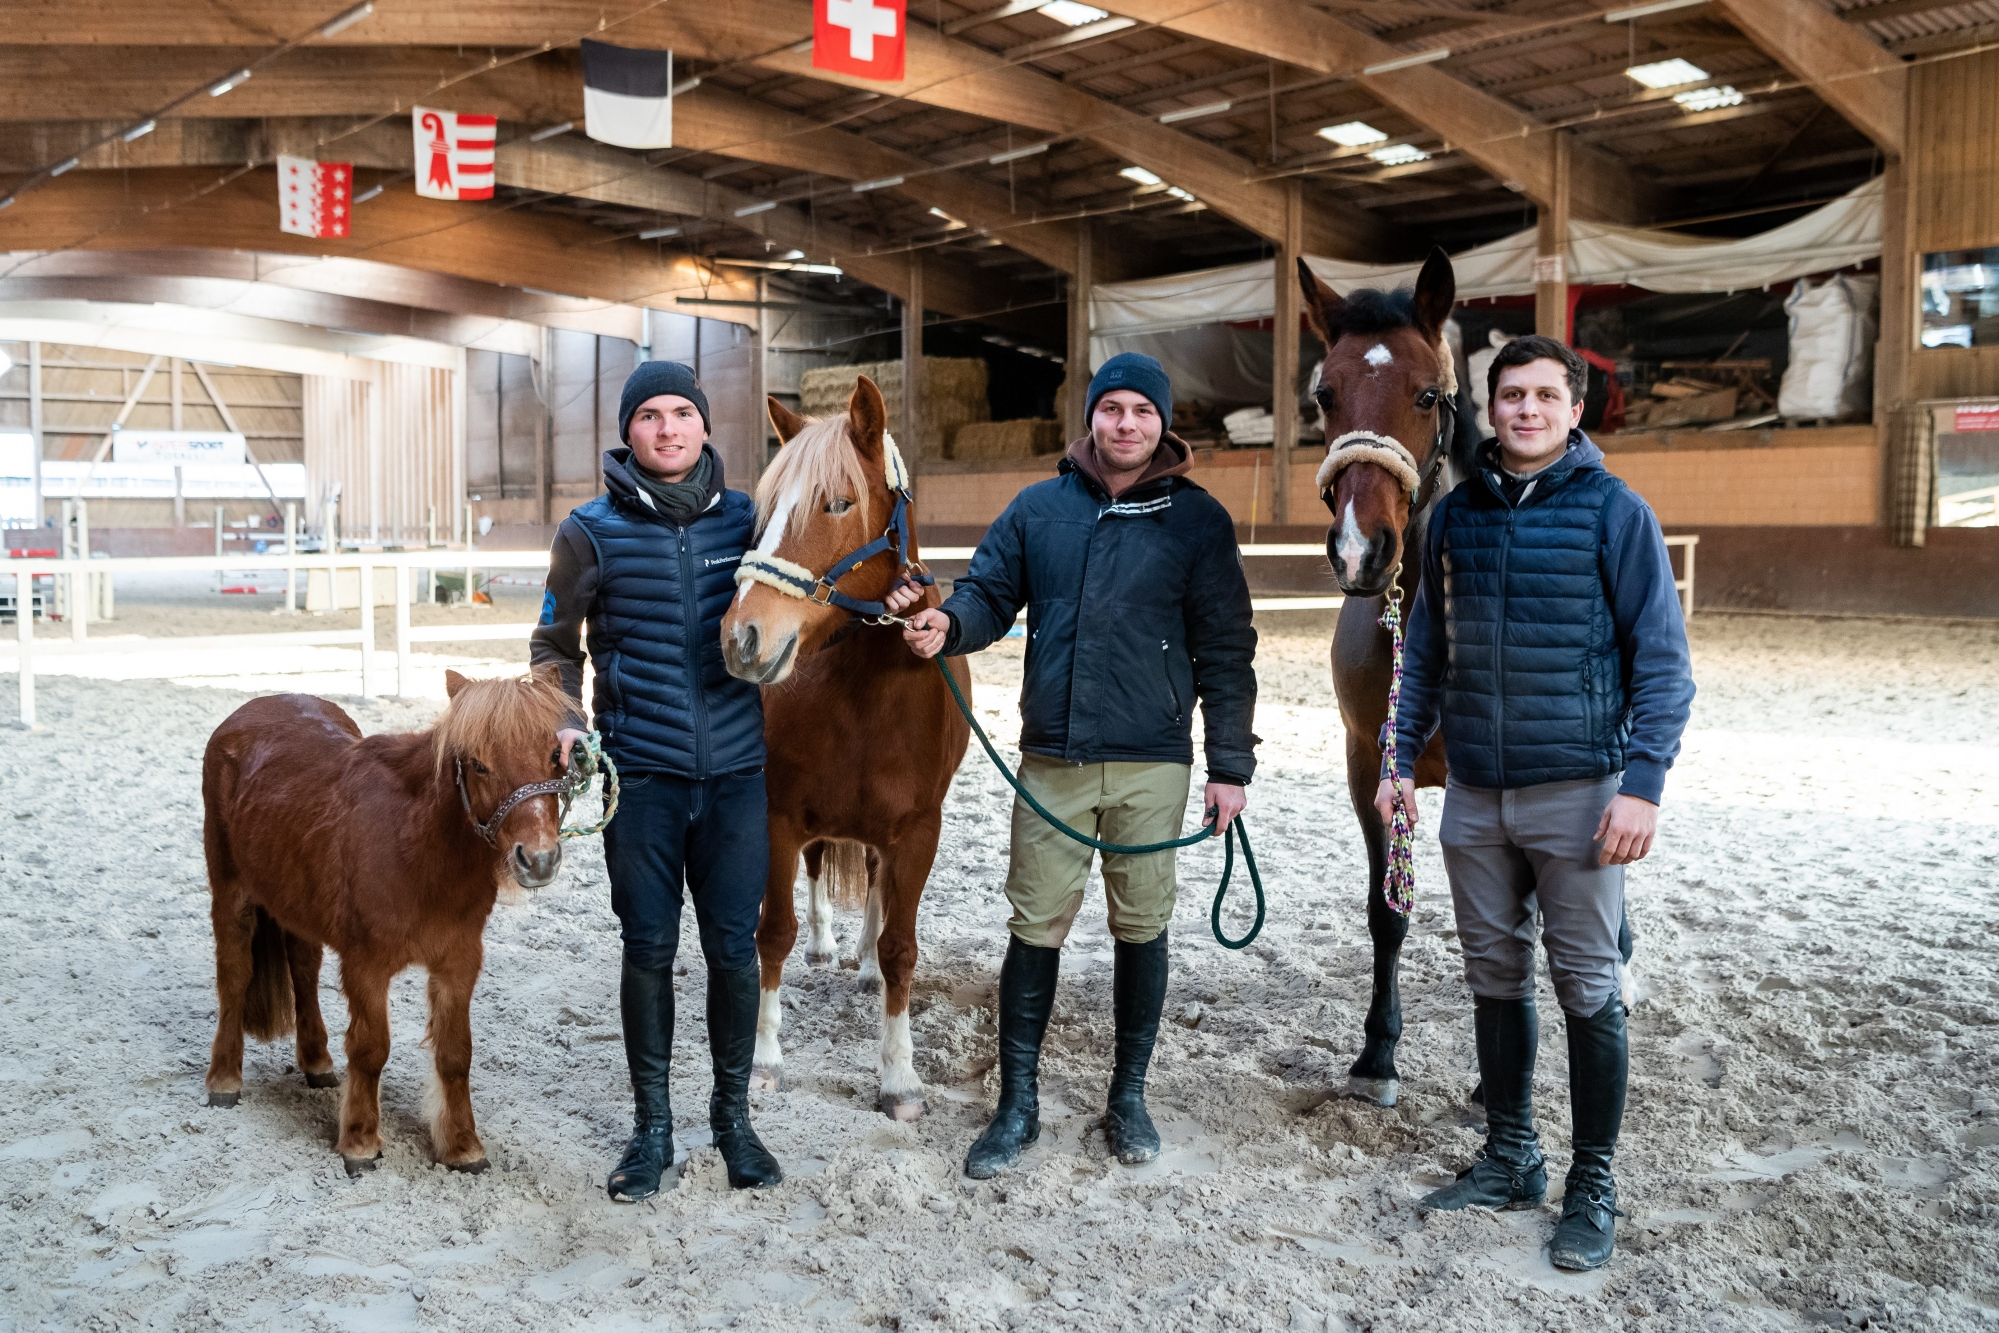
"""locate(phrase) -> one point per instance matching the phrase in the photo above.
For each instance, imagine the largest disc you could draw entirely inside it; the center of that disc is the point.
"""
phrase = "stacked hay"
(955, 394)
(1005, 441)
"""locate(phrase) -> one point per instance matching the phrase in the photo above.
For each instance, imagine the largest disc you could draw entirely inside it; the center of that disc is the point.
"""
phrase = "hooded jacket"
(1136, 608)
(1546, 636)
(653, 593)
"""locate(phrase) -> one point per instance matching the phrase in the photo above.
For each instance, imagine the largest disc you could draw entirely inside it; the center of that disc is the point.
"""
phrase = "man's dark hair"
(1534, 347)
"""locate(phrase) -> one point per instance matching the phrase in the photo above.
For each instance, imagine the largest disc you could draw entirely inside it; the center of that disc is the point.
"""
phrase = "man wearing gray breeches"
(1547, 641)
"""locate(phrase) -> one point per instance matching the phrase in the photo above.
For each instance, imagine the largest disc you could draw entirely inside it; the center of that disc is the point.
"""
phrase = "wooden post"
(1284, 353)
(1899, 261)
(759, 417)
(544, 432)
(291, 548)
(1076, 365)
(35, 426)
(912, 362)
(24, 636)
(1551, 253)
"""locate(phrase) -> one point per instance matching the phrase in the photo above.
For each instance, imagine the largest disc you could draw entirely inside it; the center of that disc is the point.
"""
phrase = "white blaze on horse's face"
(1379, 356)
(1352, 548)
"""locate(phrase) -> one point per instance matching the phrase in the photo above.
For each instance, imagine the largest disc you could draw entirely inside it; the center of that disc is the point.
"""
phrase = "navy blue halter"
(821, 589)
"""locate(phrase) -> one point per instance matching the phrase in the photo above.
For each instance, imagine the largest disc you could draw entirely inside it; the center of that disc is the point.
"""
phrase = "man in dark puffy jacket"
(1136, 607)
(1547, 640)
(651, 567)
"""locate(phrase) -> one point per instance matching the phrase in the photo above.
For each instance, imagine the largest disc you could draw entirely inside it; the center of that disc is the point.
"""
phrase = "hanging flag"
(627, 95)
(454, 154)
(314, 198)
(860, 37)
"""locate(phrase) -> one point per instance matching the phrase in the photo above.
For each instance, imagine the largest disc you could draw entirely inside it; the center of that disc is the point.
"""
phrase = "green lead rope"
(1230, 835)
(588, 759)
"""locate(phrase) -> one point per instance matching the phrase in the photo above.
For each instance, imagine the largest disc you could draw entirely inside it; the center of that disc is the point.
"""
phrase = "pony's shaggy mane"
(820, 463)
(505, 714)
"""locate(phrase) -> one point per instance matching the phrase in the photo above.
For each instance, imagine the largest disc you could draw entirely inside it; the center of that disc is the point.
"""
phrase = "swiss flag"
(314, 198)
(860, 37)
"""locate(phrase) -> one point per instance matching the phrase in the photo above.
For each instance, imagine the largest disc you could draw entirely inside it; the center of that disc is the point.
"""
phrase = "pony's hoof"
(766, 1078)
(326, 1078)
(224, 1098)
(1374, 1091)
(476, 1166)
(356, 1165)
(906, 1106)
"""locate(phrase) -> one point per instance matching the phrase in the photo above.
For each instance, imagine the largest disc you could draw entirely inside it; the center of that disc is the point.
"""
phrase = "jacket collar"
(1171, 459)
(624, 490)
(1581, 453)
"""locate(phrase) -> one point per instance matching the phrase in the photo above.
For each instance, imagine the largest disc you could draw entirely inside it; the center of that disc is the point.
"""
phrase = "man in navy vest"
(1547, 641)
(1136, 608)
(651, 567)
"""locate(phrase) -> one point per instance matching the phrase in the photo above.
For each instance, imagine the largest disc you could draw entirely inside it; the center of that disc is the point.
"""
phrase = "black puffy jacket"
(653, 594)
(1135, 609)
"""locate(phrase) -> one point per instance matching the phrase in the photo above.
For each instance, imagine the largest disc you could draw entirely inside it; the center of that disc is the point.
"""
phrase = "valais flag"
(454, 154)
(314, 198)
(860, 37)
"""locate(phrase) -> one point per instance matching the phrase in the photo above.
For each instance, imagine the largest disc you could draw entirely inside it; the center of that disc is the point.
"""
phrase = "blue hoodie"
(1546, 636)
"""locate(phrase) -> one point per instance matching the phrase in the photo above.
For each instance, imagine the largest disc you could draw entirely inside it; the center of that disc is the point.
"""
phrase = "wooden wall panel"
(390, 449)
(1955, 144)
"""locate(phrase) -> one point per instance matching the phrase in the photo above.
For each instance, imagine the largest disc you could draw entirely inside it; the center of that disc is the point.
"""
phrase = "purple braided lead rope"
(1398, 886)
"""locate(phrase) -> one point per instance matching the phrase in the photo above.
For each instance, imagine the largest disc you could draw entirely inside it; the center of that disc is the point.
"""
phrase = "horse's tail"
(846, 870)
(267, 1007)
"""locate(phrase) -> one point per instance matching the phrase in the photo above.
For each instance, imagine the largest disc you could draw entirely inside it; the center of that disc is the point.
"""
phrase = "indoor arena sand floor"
(1813, 1134)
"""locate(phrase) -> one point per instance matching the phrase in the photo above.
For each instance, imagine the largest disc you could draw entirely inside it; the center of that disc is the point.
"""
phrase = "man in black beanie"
(650, 566)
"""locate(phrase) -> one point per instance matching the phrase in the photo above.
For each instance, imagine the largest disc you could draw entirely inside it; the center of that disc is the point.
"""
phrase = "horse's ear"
(1322, 304)
(788, 422)
(1436, 292)
(453, 682)
(867, 415)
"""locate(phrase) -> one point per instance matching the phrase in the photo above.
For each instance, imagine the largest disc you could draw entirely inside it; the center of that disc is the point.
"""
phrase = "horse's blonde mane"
(817, 464)
(505, 714)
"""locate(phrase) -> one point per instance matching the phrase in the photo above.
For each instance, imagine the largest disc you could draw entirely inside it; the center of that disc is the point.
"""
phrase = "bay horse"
(317, 837)
(862, 735)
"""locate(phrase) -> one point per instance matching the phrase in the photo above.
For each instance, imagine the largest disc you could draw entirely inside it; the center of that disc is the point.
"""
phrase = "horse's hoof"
(476, 1166)
(224, 1098)
(1373, 1091)
(329, 1078)
(870, 981)
(356, 1165)
(908, 1106)
(766, 1078)
(813, 958)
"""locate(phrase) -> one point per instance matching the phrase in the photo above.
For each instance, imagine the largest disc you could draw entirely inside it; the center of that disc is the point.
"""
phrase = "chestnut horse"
(320, 838)
(862, 735)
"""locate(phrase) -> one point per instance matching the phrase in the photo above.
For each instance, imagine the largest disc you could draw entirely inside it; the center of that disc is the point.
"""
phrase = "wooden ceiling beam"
(1841, 62)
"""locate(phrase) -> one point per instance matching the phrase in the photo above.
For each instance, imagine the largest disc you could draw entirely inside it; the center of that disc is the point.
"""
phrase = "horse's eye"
(838, 506)
(480, 768)
(1427, 399)
(1325, 398)
(555, 757)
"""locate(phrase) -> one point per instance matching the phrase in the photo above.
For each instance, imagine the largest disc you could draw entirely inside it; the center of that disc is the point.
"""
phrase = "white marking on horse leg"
(1352, 546)
(767, 1064)
(821, 947)
(433, 1111)
(871, 929)
(1379, 355)
(902, 1090)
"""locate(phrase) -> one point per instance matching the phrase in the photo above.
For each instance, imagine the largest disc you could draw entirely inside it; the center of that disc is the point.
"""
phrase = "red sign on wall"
(1983, 416)
(865, 38)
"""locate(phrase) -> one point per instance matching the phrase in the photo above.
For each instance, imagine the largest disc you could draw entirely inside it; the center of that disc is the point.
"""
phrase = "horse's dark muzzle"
(1375, 568)
(535, 870)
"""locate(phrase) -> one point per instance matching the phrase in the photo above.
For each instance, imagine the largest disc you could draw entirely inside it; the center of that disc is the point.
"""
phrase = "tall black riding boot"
(732, 1041)
(1026, 998)
(1138, 992)
(1599, 1069)
(645, 1000)
(1509, 1172)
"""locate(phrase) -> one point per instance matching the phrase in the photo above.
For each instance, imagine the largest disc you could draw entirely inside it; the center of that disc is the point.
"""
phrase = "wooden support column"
(1284, 352)
(912, 363)
(1551, 253)
(544, 433)
(759, 417)
(1900, 258)
(1077, 363)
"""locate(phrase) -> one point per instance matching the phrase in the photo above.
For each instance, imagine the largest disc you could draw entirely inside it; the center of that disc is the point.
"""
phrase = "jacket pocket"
(1166, 672)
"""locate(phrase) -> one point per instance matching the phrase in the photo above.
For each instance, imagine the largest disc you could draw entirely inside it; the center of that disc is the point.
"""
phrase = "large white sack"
(1832, 348)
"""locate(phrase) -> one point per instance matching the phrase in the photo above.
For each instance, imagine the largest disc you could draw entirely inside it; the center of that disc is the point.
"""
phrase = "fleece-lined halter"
(1366, 446)
(795, 580)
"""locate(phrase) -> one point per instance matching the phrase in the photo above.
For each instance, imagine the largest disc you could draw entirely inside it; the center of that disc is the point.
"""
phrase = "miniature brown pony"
(318, 838)
(862, 735)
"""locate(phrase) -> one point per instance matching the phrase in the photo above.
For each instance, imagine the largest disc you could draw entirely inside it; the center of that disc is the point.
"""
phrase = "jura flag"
(860, 37)
(314, 198)
(454, 154)
(627, 95)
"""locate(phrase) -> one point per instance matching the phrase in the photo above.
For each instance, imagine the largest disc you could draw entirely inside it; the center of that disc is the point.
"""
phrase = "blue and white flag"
(627, 95)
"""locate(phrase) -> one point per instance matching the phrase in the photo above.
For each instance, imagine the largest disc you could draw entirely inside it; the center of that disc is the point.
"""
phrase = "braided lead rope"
(1398, 886)
(588, 762)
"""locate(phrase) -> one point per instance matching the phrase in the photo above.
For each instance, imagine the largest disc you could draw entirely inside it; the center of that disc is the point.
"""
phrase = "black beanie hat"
(1139, 373)
(654, 378)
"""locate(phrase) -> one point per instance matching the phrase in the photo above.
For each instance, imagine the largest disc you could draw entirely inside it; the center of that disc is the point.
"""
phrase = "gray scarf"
(679, 501)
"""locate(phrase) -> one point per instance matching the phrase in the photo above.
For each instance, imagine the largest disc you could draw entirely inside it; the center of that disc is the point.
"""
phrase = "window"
(1961, 298)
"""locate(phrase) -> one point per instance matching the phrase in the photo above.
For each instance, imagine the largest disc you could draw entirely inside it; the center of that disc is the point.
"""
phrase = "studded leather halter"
(563, 787)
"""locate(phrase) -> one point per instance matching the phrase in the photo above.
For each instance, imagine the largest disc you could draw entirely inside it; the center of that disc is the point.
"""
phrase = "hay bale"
(955, 394)
(1005, 441)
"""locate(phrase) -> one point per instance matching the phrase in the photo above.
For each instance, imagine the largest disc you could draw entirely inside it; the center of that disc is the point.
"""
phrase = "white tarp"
(1843, 232)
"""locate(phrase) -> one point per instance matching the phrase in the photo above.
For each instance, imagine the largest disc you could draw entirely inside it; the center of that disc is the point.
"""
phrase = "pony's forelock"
(500, 715)
(815, 465)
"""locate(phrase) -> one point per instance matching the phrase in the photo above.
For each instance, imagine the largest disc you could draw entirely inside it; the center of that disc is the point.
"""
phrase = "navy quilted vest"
(1534, 688)
(663, 700)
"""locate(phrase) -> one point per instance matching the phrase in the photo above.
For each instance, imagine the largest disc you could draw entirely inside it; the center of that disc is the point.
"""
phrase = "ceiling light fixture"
(659, 232)
(1000, 159)
(140, 131)
(550, 131)
(1709, 99)
(61, 167)
(1645, 11)
(886, 182)
(366, 195)
(1406, 62)
(1194, 112)
(347, 20)
(1399, 155)
(764, 207)
(222, 86)
(1073, 15)
(1141, 176)
(1353, 134)
(1666, 73)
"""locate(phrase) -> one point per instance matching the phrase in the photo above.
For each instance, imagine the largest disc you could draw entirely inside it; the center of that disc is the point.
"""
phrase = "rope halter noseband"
(795, 580)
